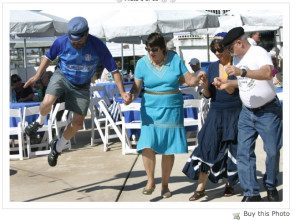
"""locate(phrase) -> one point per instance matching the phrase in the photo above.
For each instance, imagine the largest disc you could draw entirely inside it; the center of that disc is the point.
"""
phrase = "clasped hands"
(223, 83)
(127, 97)
(220, 83)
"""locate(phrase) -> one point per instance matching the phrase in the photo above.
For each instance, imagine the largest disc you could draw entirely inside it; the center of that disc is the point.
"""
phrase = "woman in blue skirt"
(162, 132)
(215, 155)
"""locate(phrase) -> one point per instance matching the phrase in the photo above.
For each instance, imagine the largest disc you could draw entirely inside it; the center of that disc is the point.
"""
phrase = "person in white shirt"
(254, 38)
(261, 114)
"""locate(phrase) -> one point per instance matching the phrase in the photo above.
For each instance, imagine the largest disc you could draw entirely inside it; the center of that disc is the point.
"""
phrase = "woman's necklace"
(159, 65)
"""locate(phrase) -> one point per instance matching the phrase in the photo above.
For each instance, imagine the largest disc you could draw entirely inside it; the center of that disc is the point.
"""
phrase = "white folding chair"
(59, 124)
(205, 105)
(17, 115)
(102, 118)
(29, 111)
(126, 143)
(191, 90)
(195, 104)
(97, 117)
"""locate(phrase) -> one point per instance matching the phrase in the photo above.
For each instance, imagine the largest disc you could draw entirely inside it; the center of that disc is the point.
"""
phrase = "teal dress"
(162, 115)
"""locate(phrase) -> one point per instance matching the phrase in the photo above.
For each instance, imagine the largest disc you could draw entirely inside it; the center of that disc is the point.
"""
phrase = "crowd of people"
(243, 105)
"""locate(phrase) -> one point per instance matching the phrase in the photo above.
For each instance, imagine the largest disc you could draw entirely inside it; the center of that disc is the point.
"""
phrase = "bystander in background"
(21, 94)
(254, 38)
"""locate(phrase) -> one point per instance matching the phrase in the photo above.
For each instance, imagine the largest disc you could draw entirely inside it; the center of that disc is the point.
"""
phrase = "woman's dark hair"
(156, 40)
(216, 43)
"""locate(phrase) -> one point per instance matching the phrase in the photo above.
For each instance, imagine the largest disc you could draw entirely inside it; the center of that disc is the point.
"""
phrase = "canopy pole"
(25, 58)
(207, 39)
(133, 51)
(122, 57)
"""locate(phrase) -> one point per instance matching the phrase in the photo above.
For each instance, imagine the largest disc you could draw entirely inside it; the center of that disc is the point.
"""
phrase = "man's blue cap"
(77, 27)
(232, 35)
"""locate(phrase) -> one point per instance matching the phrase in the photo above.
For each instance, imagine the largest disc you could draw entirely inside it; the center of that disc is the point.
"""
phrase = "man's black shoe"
(272, 195)
(32, 128)
(53, 155)
(251, 198)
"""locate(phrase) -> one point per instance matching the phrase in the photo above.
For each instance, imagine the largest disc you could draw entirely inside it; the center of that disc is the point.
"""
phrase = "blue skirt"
(162, 124)
(217, 147)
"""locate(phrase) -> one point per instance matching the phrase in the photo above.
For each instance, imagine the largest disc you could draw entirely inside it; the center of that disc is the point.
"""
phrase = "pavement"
(88, 174)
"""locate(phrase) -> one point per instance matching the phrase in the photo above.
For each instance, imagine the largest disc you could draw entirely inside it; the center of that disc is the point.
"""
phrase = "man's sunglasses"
(154, 49)
(219, 50)
(230, 46)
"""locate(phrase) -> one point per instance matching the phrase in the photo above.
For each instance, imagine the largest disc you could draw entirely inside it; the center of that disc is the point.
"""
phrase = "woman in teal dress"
(162, 132)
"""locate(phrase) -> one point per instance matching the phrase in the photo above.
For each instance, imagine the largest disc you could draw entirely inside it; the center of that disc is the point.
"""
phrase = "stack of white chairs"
(126, 143)
(17, 115)
(102, 118)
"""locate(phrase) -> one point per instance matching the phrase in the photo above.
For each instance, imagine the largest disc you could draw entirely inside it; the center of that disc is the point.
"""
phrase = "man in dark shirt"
(22, 94)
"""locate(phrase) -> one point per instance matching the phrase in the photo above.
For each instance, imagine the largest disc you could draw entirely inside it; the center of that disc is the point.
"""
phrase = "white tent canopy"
(178, 21)
(130, 26)
(36, 24)
(259, 17)
(134, 26)
(226, 23)
(232, 19)
(95, 20)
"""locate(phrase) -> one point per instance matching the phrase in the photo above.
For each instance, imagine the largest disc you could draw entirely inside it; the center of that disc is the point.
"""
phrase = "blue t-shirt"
(160, 80)
(79, 65)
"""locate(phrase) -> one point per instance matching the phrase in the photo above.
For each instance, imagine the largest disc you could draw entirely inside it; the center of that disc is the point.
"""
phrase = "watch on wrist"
(243, 72)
